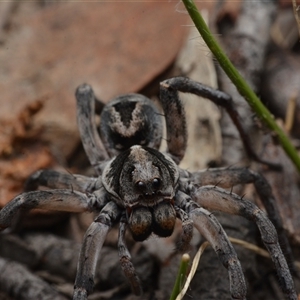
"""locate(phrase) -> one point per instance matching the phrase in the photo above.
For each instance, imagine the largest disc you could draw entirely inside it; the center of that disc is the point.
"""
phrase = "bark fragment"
(246, 45)
(18, 282)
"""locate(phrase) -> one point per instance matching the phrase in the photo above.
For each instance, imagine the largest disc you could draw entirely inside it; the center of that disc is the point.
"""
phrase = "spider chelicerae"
(145, 191)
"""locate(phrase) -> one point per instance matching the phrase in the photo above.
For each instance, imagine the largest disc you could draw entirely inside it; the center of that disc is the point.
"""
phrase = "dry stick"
(17, 281)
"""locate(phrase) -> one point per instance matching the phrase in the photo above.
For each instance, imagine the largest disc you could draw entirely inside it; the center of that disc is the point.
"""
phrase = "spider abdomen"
(129, 120)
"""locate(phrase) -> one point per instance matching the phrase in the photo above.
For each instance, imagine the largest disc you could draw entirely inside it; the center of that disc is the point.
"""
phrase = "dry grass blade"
(290, 113)
(197, 257)
(255, 249)
(249, 246)
(192, 271)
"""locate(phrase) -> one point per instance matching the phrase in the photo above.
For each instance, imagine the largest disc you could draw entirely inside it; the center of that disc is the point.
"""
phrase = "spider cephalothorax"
(145, 190)
(141, 176)
(144, 180)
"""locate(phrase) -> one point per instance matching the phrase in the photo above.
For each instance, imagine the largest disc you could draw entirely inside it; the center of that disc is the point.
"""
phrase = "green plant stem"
(181, 276)
(241, 85)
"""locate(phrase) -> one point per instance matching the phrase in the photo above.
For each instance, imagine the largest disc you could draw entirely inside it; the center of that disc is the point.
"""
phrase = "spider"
(145, 191)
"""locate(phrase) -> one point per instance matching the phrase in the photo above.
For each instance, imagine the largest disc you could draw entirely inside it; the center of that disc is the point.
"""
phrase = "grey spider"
(145, 191)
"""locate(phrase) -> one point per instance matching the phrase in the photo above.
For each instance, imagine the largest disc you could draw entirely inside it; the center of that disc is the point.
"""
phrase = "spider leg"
(175, 121)
(208, 225)
(91, 141)
(169, 90)
(125, 260)
(91, 247)
(187, 229)
(215, 198)
(57, 180)
(61, 200)
(228, 177)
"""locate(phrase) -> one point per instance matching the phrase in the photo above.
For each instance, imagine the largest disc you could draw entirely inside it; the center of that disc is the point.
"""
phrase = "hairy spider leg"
(175, 121)
(60, 200)
(211, 229)
(216, 198)
(125, 259)
(228, 177)
(169, 89)
(91, 141)
(91, 247)
(57, 180)
(187, 225)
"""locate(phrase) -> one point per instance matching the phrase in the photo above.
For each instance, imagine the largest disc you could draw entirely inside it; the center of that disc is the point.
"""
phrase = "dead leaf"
(117, 47)
(22, 151)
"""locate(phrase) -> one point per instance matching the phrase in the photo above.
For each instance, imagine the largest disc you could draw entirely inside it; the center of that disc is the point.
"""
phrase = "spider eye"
(140, 185)
(119, 147)
(131, 171)
(156, 183)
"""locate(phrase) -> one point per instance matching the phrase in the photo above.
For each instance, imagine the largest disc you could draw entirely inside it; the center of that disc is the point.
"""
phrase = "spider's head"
(141, 176)
(129, 120)
(144, 182)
